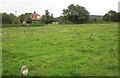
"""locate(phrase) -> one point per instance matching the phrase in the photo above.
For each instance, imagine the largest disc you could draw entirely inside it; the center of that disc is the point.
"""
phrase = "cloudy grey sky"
(95, 7)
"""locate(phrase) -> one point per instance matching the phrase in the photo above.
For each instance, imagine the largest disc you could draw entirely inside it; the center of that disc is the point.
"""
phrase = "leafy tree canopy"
(111, 16)
(75, 14)
(47, 18)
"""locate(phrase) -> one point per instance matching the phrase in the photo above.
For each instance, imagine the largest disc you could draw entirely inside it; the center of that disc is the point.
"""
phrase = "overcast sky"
(95, 7)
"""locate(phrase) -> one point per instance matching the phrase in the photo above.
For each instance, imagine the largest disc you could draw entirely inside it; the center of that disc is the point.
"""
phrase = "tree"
(118, 16)
(28, 17)
(5, 19)
(47, 18)
(107, 17)
(25, 17)
(75, 14)
(111, 16)
(21, 18)
(8, 18)
(11, 18)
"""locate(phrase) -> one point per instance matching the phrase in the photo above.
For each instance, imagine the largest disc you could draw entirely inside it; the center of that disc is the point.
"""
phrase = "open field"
(0, 52)
(61, 50)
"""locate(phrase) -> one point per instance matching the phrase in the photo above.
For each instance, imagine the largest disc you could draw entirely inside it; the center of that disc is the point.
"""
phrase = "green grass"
(61, 50)
(0, 52)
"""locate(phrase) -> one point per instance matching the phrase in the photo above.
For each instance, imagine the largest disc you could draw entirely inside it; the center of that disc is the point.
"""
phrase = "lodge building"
(35, 16)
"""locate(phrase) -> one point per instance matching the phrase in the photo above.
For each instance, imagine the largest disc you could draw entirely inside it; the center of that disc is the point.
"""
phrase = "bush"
(75, 14)
(22, 25)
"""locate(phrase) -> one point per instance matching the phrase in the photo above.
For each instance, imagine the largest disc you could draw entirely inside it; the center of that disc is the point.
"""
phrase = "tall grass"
(61, 50)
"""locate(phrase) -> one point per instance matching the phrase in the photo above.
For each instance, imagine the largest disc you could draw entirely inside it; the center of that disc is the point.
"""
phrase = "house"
(35, 16)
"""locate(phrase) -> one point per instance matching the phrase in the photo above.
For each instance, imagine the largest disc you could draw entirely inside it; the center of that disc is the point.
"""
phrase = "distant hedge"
(22, 25)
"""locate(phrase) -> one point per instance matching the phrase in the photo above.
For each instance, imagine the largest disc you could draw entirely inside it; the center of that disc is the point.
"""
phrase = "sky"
(119, 6)
(95, 7)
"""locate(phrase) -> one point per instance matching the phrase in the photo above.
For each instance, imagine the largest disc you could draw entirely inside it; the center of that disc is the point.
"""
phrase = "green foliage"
(75, 14)
(111, 16)
(61, 50)
(9, 18)
(21, 25)
(21, 18)
(28, 18)
(118, 16)
(47, 18)
(25, 17)
(107, 17)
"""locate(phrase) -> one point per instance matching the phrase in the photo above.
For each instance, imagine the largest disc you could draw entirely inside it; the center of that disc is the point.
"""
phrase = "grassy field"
(0, 52)
(61, 50)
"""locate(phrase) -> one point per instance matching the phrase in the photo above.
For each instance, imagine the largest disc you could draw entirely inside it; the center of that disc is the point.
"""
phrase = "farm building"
(35, 16)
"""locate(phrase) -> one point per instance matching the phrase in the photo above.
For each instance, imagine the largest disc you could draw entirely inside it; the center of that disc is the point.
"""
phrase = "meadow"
(61, 50)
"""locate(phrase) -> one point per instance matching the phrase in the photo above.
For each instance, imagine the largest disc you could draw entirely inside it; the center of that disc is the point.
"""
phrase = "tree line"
(74, 14)
(112, 16)
(12, 19)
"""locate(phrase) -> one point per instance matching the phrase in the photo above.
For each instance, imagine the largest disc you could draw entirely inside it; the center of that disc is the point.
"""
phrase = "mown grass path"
(61, 50)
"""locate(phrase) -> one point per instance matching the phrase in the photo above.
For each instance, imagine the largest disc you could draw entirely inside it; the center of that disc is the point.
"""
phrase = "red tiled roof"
(34, 16)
